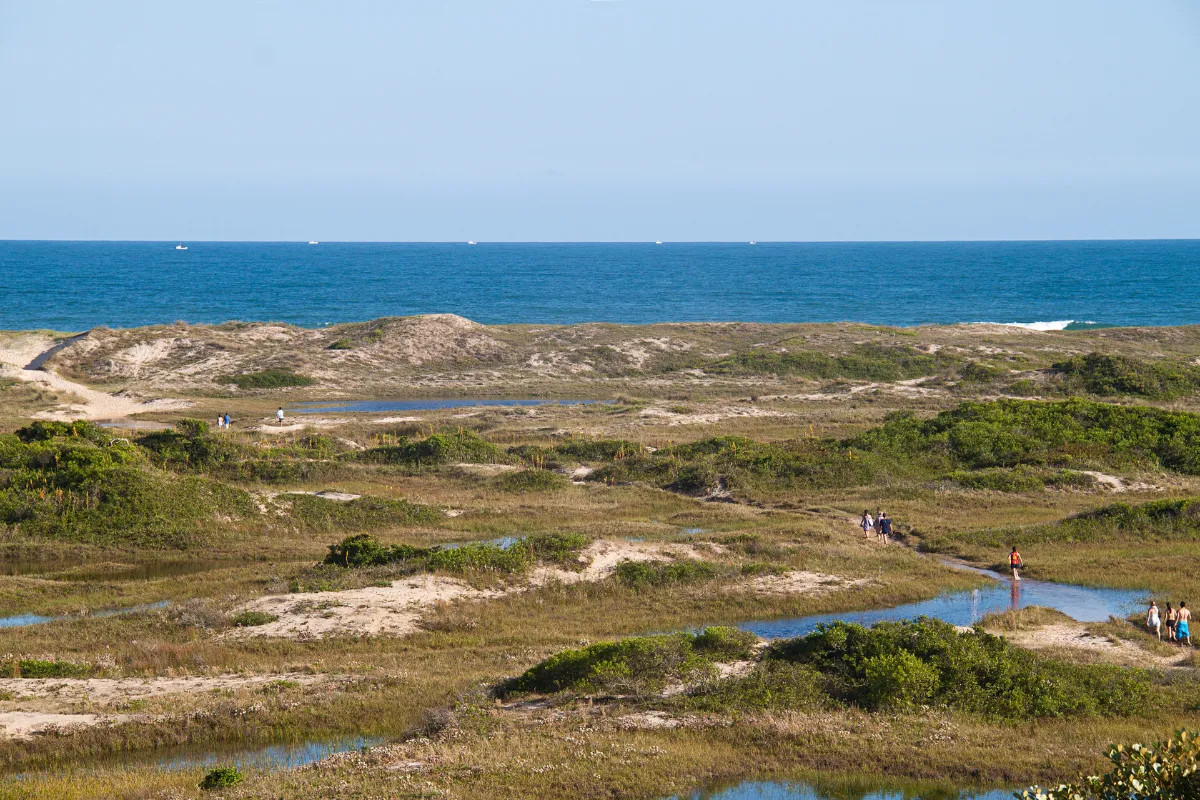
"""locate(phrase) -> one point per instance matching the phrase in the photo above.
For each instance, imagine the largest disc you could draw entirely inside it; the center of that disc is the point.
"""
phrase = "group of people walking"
(223, 420)
(878, 526)
(1175, 620)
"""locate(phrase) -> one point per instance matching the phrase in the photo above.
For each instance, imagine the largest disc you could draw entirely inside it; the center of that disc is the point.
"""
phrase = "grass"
(274, 378)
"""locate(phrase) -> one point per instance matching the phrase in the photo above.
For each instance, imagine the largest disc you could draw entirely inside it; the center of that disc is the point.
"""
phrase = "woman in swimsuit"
(1170, 623)
(1153, 621)
(1181, 628)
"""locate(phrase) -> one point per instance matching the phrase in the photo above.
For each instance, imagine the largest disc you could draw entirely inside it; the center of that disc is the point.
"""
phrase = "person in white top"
(279, 416)
(1154, 620)
(867, 524)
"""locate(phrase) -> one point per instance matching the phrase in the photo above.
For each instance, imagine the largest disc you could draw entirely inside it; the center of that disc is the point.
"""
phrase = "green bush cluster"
(274, 378)
(638, 665)
(1159, 520)
(1167, 770)
(364, 550)
(531, 480)
(873, 362)
(1006, 433)
(898, 665)
(461, 446)
(643, 574)
(38, 668)
(1020, 478)
(1100, 374)
(321, 515)
(221, 778)
(251, 619)
(68, 486)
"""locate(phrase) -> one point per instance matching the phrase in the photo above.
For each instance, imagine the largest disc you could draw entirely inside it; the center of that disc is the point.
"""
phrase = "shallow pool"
(1080, 603)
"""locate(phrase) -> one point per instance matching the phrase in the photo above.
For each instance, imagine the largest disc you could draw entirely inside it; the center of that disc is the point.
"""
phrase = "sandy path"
(92, 404)
(1076, 636)
(27, 724)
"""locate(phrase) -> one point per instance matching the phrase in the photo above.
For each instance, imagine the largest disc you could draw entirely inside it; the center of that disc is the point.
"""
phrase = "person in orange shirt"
(1014, 561)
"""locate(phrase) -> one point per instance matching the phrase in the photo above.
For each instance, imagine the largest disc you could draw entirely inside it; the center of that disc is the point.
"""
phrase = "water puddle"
(373, 406)
(274, 757)
(503, 542)
(24, 620)
(1080, 603)
(789, 790)
(78, 570)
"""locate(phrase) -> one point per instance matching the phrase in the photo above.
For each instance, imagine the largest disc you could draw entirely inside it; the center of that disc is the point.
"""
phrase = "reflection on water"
(370, 406)
(23, 620)
(789, 790)
(1080, 603)
(279, 756)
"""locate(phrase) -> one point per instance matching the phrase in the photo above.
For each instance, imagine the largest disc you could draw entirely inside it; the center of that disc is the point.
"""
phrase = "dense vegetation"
(72, 481)
(1156, 521)
(893, 666)
(1167, 770)
(637, 665)
(872, 362)
(440, 448)
(364, 550)
(274, 378)
(1108, 375)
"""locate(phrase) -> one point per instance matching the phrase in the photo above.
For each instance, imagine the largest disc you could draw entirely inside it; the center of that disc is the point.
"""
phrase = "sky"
(598, 120)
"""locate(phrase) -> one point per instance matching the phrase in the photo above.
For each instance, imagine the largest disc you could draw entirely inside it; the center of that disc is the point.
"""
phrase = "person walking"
(1153, 620)
(883, 523)
(867, 524)
(1171, 620)
(226, 420)
(220, 422)
(1014, 561)
(1182, 630)
(279, 416)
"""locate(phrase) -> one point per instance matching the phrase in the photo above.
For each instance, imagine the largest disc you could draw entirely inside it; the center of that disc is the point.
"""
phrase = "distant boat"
(180, 247)
(658, 242)
(314, 242)
(754, 243)
(470, 243)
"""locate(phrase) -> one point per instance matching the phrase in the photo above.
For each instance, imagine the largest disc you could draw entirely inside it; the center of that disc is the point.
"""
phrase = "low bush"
(38, 668)
(460, 446)
(221, 778)
(321, 515)
(1099, 374)
(1020, 479)
(873, 362)
(897, 665)
(531, 480)
(364, 550)
(638, 665)
(642, 574)
(274, 378)
(252, 619)
(1167, 770)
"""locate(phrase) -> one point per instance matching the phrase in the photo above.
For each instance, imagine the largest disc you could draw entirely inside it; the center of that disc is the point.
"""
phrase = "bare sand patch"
(58, 694)
(27, 724)
(1075, 636)
(797, 582)
(393, 610)
(1115, 484)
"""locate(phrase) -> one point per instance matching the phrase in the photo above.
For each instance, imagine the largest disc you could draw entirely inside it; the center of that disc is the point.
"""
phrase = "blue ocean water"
(77, 285)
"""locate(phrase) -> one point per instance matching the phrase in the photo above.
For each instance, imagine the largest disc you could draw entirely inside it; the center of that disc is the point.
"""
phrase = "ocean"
(73, 286)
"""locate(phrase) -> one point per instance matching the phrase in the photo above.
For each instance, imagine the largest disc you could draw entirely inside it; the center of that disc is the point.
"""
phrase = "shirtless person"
(1182, 630)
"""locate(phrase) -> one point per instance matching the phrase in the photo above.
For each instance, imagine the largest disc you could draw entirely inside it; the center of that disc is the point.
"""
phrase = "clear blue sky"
(599, 119)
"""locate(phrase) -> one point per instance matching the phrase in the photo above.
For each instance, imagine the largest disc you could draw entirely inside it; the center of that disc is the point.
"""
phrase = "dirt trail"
(28, 349)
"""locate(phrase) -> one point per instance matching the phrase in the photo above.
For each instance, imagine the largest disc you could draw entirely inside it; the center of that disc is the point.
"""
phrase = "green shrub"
(725, 643)
(531, 480)
(898, 664)
(340, 344)
(221, 778)
(480, 557)
(44, 431)
(1019, 479)
(769, 685)
(597, 449)
(558, 548)
(1163, 771)
(461, 446)
(638, 665)
(898, 680)
(37, 668)
(874, 362)
(191, 428)
(974, 372)
(1100, 374)
(642, 574)
(251, 619)
(322, 515)
(274, 378)
(364, 550)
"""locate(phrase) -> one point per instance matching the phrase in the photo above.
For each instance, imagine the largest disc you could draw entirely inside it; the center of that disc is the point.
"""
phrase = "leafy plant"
(1167, 770)
(273, 378)
(221, 778)
(251, 619)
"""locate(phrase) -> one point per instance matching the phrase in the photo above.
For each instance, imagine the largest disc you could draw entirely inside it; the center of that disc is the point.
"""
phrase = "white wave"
(1054, 325)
